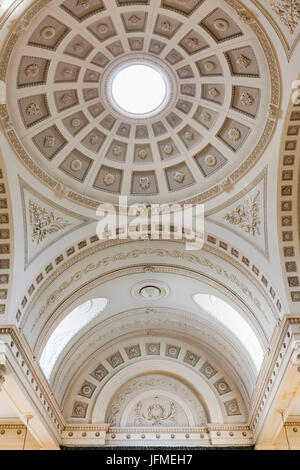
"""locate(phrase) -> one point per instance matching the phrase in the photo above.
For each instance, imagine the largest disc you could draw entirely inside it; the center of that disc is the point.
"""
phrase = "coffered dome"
(151, 331)
(212, 123)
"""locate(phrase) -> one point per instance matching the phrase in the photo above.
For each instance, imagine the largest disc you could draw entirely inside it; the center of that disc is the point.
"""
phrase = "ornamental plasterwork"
(207, 194)
(83, 273)
(148, 252)
(157, 411)
(245, 214)
(284, 17)
(159, 383)
(232, 255)
(131, 322)
(288, 12)
(45, 222)
(45, 399)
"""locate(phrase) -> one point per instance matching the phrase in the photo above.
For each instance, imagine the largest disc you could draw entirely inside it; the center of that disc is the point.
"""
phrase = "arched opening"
(66, 330)
(232, 319)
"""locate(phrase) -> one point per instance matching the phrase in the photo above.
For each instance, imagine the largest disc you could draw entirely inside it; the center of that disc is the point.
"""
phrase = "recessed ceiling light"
(150, 292)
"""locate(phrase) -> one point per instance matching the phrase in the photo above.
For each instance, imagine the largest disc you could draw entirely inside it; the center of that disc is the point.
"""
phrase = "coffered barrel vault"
(143, 342)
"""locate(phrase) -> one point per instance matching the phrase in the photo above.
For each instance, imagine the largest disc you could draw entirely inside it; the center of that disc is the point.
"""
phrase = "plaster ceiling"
(7, 410)
(219, 83)
(218, 120)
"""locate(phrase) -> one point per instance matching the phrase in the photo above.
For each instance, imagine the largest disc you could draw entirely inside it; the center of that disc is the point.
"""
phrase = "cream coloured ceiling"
(222, 80)
(71, 148)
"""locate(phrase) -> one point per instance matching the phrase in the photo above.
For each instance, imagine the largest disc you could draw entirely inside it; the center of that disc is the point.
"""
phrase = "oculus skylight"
(139, 89)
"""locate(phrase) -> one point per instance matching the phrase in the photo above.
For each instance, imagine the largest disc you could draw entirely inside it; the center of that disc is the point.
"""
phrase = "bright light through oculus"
(139, 89)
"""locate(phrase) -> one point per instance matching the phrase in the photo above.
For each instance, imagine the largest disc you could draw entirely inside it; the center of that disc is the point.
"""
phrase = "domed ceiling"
(214, 123)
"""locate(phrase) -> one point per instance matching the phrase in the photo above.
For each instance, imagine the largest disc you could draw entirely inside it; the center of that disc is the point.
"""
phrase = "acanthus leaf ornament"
(66, 99)
(109, 179)
(168, 149)
(80, 410)
(44, 222)
(288, 12)
(247, 215)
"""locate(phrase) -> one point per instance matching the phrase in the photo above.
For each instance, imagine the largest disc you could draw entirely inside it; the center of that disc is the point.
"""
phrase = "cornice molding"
(219, 248)
(282, 349)
(288, 202)
(283, 345)
(8, 426)
(79, 291)
(21, 358)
